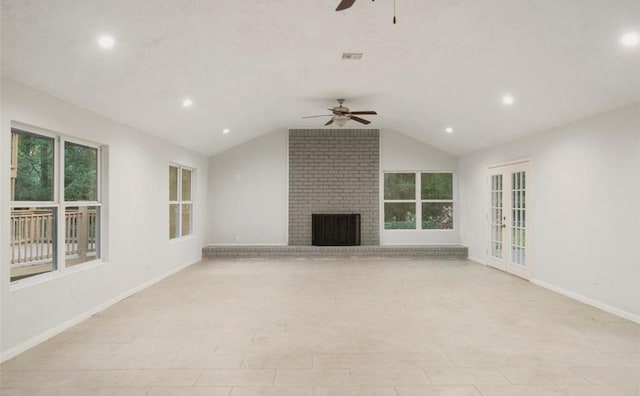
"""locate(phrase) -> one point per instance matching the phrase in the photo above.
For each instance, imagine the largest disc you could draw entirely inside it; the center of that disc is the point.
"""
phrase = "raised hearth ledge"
(266, 251)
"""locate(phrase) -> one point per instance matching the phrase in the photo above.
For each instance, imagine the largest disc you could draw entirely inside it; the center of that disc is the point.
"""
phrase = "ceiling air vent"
(352, 55)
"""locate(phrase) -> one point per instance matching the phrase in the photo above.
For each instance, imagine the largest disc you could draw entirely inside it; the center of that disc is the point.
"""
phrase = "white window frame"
(413, 201)
(418, 201)
(180, 202)
(452, 200)
(98, 203)
(60, 205)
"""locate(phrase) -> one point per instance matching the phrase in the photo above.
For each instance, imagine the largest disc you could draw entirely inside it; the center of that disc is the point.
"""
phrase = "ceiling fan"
(342, 114)
(344, 4)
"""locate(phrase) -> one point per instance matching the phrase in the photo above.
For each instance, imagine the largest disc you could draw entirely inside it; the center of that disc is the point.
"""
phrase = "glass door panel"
(518, 230)
(507, 219)
(496, 216)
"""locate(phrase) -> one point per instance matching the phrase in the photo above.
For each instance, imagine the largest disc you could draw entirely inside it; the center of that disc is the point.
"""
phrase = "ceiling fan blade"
(323, 115)
(329, 122)
(360, 120)
(344, 4)
(364, 112)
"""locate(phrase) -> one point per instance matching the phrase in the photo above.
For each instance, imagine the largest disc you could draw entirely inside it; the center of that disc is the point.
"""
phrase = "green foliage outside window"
(173, 183)
(399, 186)
(436, 186)
(186, 185)
(436, 194)
(34, 176)
(400, 216)
(437, 215)
(35, 166)
(80, 173)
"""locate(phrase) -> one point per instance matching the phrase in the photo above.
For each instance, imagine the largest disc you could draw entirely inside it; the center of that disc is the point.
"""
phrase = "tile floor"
(337, 327)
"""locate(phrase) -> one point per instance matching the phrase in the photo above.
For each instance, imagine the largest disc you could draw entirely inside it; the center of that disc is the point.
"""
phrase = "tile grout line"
(478, 389)
(427, 375)
(198, 377)
(586, 380)
(505, 377)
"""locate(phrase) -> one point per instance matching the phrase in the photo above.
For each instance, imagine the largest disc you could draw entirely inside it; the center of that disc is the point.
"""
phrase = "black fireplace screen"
(335, 229)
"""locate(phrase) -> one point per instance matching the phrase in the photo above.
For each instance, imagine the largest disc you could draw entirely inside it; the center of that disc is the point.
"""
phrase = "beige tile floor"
(337, 327)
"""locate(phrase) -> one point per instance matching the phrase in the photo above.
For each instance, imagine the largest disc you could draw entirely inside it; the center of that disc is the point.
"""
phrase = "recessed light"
(449, 130)
(106, 41)
(508, 100)
(187, 102)
(226, 130)
(630, 39)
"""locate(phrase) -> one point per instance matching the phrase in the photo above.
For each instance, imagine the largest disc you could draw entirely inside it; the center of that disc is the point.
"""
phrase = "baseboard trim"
(40, 338)
(418, 244)
(589, 301)
(477, 260)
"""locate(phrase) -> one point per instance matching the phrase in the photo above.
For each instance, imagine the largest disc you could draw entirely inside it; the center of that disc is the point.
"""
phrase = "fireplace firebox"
(335, 229)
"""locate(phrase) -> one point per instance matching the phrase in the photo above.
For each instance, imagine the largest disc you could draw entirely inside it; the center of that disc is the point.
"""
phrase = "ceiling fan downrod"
(394, 12)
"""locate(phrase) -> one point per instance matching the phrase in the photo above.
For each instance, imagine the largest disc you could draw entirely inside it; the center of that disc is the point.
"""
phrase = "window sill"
(181, 239)
(43, 278)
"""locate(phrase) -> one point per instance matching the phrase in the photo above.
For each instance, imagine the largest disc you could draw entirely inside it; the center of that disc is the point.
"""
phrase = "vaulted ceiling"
(258, 66)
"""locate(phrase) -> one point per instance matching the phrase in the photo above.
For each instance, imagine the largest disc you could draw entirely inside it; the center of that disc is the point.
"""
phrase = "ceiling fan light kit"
(340, 121)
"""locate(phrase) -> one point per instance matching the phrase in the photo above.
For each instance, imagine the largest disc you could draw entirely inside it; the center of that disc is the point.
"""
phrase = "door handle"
(504, 225)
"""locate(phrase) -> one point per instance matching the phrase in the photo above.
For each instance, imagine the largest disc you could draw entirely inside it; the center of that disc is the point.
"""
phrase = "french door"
(509, 191)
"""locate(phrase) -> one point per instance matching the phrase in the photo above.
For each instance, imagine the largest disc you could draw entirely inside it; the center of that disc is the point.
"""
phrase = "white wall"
(139, 249)
(248, 193)
(585, 219)
(399, 152)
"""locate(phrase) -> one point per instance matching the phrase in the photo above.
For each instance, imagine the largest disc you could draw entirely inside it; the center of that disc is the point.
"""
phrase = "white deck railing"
(32, 233)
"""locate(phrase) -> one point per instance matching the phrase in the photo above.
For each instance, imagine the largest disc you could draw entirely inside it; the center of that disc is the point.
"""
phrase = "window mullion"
(60, 207)
(180, 202)
(417, 201)
(191, 204)
(99, 174)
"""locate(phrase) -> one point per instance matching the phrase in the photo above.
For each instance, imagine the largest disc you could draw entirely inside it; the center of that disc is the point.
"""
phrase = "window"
(55, 203)
(427, 196)
(436, 193)
(180, 201)
(399, 201)
(82, 209)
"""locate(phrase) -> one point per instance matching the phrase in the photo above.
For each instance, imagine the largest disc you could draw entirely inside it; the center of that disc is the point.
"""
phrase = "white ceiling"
(258, 66)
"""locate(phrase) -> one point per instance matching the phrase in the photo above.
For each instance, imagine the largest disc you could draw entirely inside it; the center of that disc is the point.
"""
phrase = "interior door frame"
(506, 264)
